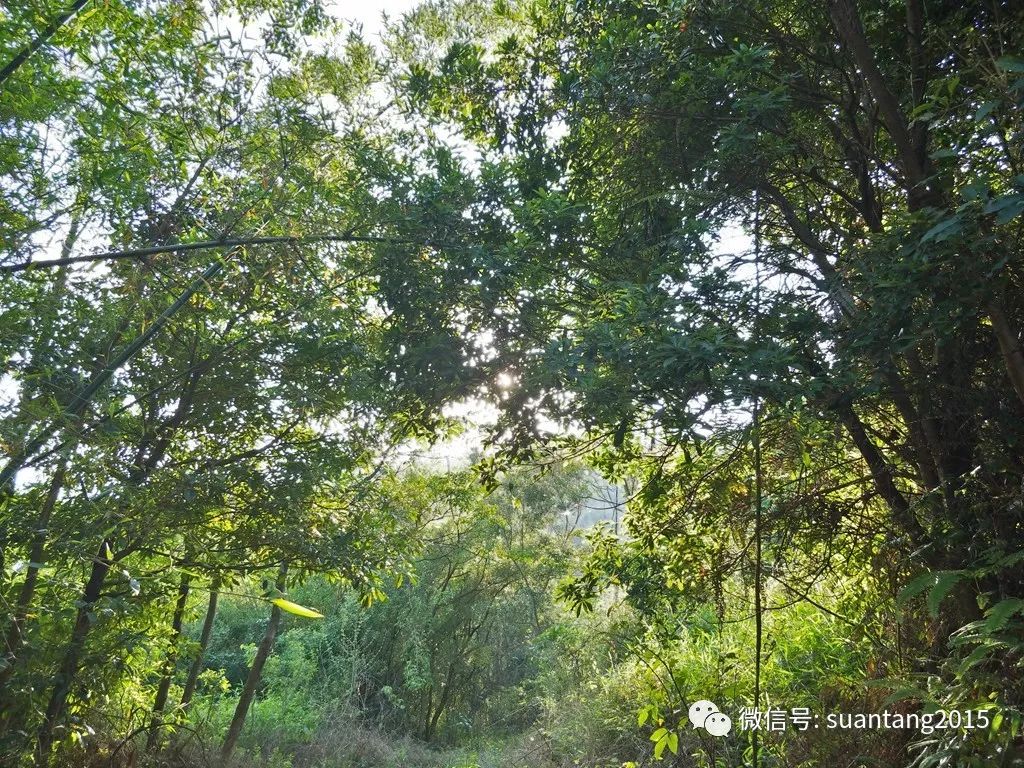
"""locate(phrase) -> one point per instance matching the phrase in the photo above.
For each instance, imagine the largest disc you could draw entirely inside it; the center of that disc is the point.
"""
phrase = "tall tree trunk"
(427, 715)
(926, 408)
(1009, 345)
(36, 558)
(255, 673)
(72, 654)
(170, 663)
(204, 642)
(912, 419)
(144, 466)
(956, 420)
(434, 718)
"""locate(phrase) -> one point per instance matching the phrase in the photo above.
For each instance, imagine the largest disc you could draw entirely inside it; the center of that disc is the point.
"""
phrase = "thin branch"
(39, 42)
(153, 250)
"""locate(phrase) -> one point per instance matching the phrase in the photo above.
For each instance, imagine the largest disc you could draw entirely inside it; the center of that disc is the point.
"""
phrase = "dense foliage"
(757, 263)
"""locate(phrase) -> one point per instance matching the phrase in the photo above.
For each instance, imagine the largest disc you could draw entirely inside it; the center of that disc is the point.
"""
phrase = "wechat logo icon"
(705, 714)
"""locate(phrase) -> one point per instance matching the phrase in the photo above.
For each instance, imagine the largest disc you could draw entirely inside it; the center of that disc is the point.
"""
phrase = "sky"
(369, 13)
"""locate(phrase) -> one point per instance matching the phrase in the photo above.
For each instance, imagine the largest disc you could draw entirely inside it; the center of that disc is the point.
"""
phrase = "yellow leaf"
(298, 610)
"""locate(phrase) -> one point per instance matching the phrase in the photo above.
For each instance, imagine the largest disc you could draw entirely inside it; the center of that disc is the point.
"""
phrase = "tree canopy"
(755, 264)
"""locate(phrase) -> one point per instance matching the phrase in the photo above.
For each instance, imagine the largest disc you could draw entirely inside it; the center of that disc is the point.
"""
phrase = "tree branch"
(81, 400)
(39, 42)
(153, 250)
(851, 31)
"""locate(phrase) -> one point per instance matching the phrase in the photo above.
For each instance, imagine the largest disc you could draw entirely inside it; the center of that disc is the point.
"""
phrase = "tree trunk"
(153, 740)
(923, 456)
(36, 558)
(255, 673)
(204, 642)
(72, 654)
(926, 408)
(434, 718)
(140, 472)
(1009, 345)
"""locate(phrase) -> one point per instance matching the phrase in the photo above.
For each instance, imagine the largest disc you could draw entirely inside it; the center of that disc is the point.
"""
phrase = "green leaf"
(659, 748)
(944, 583)
(986, 109)
(1001, 612)
(298, 610)
(1006, 208)
(939, 582)
(915, 587)
(1010, 63)
(978, 655)
(945, 229)
(900, 694)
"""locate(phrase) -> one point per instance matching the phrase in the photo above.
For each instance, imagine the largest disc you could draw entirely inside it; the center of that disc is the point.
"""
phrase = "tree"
(864, 150)
(185, 411)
